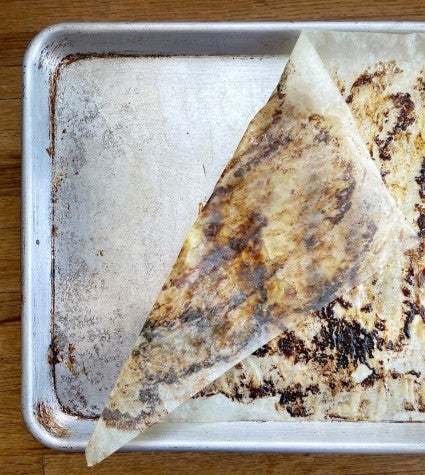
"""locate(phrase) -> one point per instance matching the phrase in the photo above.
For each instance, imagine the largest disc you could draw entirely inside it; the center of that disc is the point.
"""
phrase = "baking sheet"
(109, 132)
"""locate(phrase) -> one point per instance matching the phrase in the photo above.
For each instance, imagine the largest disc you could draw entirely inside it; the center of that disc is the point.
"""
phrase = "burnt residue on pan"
(46, 418)
(339, 346)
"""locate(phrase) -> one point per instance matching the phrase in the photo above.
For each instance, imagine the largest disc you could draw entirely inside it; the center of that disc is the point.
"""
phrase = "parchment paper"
(306, 206)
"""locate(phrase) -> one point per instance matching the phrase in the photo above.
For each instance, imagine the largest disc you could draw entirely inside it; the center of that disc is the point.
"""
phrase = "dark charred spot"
(323, 136)
(54, 358)
(120, 420)
(271, 147)
(383, 147)
(150, 399)
(151, 329)
(310, 241)
(422, 312)
(380, 343)
(421, 277)
(390, 345)
(213, 227)
(410, 316)
(420, 179)
(277, 115)
(379, 325)
(293, 399)
(259, 152)
(369, 233)
(313, 389)
(406, 292)
(409, 274)
(190, 316)
(194, 368)
(315, 118)
(290, 396)
(238, 244)
(236, 396)
(170, 378)
(216, 259)
(406, 108)
(323, 358)
(420, 84)
(349, 99)
(343, 203)
(344, 303)
(263, 351)
(371, 379)
(71, 355)
(297, 411)
(250, 233)
(367, 308)
(365, 78)
(287, 139)
(207, 392)
(421, 222)
(220, 192)
(381, 68)
(281, 88)
(384, 174)
(256, 221)
(351, 341)
(265, 389)
(414, 373)
(290, 345)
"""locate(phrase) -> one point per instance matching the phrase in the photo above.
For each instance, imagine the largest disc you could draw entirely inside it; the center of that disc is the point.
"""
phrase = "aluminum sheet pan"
(126, 128)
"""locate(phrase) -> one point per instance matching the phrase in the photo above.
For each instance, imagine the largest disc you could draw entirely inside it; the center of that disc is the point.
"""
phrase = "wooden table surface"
(19, 22)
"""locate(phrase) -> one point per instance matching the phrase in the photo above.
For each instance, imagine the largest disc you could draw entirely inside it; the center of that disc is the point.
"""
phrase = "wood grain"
(10, 310)
(223, 463)
(20, 453)
(10, 82)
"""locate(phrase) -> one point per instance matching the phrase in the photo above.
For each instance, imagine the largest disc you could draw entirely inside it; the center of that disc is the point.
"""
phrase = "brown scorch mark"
(46, 417)
(406, 107)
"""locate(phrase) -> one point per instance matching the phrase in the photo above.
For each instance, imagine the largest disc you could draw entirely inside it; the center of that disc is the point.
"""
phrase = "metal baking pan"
(125, 129)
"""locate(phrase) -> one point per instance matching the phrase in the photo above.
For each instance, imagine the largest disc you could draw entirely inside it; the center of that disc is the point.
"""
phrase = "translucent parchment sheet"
(299, 217)
(362, 357)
